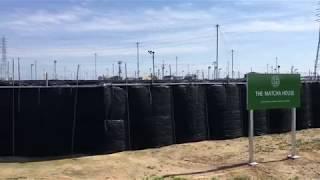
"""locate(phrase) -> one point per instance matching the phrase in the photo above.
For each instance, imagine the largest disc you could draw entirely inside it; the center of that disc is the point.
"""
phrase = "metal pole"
(251, 141)
(46, 76)
(153, 65)
(126, 73)
(13, 111)
(55, 69)
(202, 75)
(13, 72)
(293, 136)
(217, 54)
(232, 52)
(138, 61)
(31, 71)
(19, 69)
(162, 69)
(75, 113)
(78, 69)
(95, 66)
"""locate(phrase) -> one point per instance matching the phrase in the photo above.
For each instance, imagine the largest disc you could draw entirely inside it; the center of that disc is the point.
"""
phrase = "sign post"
(251, 140)
(293, 154)
(272, 91)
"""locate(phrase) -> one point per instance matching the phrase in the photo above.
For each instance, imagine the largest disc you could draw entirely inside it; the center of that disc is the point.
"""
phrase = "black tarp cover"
(116, 123)
(90, 120)
(224, 112)
(6, 127)
(304, 113)
(140, 108)
(315, 93)
(190, 113)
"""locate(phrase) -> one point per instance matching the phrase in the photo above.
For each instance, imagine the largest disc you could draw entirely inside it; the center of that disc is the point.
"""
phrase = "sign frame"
(277, 96)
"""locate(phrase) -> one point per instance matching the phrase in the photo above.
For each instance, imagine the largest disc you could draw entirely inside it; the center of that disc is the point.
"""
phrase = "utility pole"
(126, 73)
(55, 69)
(138, 61)
(217, 54)
(95, 66)
(202, 75)
(152, 53)
(267, 68)
(119, 71)
(162, 68)
(209, 67)
(170, 70)
(13, 72)
(19, 69)
(228, 69)
(232, 71)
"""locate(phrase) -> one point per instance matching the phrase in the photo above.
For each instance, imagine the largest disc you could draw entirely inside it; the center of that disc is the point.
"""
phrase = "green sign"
(273, 91)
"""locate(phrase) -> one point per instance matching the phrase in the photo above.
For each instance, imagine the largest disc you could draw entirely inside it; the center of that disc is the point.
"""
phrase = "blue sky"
(71, 31)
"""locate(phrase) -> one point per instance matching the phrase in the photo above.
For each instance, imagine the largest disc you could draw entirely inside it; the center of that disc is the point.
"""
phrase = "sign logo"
(275, 81)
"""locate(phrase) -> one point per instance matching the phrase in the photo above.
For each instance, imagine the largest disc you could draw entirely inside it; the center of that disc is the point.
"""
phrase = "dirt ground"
(203, 160)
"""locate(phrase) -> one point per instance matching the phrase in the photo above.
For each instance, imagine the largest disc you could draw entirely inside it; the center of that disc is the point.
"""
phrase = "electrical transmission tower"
(4, 58)
(317, 58)
(317, 55)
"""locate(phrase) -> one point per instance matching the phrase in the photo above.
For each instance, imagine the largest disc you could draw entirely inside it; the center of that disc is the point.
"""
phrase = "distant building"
(173, 78)
(115, 78)
(190, 77)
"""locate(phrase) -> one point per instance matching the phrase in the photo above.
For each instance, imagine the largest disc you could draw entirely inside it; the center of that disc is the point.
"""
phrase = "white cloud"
(79, 19)
(169, 31)
(292, 25)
